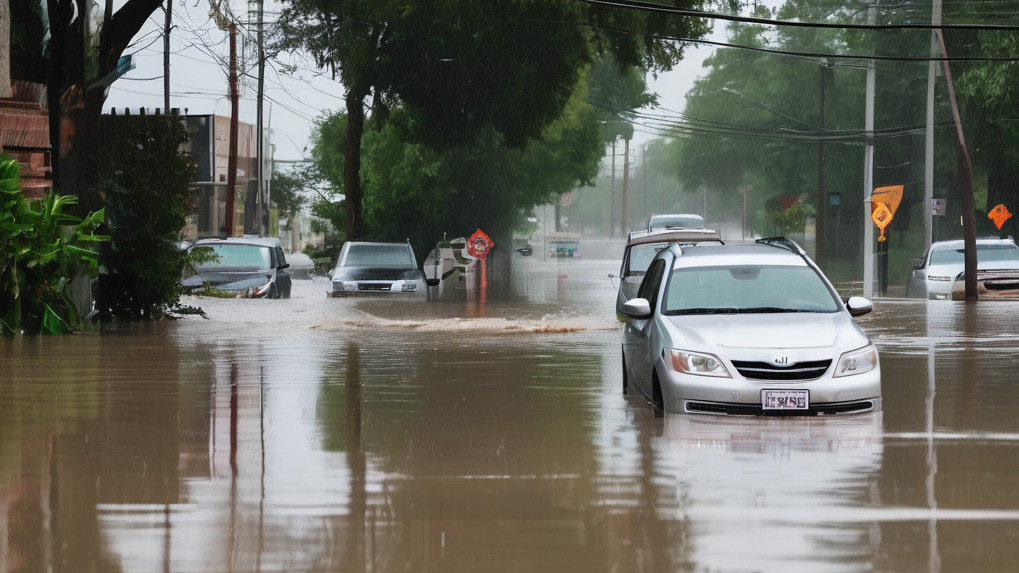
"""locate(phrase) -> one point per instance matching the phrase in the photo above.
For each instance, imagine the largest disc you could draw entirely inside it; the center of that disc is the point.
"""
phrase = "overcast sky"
(198, 76)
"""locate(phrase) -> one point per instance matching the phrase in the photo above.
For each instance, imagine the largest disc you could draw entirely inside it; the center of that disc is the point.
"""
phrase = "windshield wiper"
(705, 311)
(769, 309)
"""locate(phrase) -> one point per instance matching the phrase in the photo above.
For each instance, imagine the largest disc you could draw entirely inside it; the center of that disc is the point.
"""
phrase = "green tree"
(147, 182)
(83, 53)
(465, 69)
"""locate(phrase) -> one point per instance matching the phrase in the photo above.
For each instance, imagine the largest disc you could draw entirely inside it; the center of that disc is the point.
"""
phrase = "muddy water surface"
(489, 433)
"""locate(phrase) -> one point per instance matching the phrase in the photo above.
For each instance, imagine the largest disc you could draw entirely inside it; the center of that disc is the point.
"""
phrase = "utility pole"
(819, 215)
(626, 181)
(166, 56)
(965, 166)
(868, 174)
(928, 183)
(227, 22)
(262, 200)
(231, 164)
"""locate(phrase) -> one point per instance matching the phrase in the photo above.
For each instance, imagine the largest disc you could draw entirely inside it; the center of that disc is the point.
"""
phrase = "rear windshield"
(379, 256)
(985, 254)
(747, 289)
(237, 256)
(641, 255)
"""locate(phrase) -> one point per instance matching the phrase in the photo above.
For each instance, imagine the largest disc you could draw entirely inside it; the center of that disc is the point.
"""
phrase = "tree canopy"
(468, 71)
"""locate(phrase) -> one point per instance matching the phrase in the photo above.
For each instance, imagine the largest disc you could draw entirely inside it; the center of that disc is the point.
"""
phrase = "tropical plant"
(44, 250)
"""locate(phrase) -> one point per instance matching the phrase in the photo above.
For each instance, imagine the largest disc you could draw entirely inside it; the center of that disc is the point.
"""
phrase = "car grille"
(379, 287)
(798, 371)
(755, 410)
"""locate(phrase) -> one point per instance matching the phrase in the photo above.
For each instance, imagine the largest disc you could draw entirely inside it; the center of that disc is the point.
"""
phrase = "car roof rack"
(783, 243)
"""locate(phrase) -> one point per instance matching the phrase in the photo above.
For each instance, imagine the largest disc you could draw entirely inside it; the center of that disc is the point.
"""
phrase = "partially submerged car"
(248, 267)
(642, 246)
(377, 268)
(747, 329)
(991, 285)
(933, 275)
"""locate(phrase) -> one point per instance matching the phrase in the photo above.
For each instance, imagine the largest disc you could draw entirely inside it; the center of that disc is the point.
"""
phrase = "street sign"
(999, 215)
(939, 206)
(882, 216)
(891, 196)
(478, 245)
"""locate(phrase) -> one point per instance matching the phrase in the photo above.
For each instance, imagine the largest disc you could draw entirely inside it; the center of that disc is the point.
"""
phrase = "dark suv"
(251, 267)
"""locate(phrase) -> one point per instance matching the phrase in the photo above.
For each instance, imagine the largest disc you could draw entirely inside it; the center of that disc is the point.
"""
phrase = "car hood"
(229, 279)
(726, 332)
(373, 274)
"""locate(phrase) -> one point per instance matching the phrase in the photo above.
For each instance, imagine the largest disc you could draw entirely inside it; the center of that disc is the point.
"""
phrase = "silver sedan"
(747, 329)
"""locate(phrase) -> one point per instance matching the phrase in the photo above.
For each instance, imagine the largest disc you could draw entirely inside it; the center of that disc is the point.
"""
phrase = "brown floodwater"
(487, 432)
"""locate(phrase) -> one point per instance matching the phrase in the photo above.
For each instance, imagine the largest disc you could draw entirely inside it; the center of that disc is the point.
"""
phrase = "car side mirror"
(283, 266)
(329, 273)
(859, 306)
(429, 282)
(916, 264)
(636, 308)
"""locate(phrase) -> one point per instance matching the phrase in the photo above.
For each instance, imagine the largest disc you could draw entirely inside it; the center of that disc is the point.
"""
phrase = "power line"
(663, 9)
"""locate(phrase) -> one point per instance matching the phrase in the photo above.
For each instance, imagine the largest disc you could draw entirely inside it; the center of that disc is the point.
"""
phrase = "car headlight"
(344, 285)
(695, 363)
(260, 291)
(857, 361)
(409, 286)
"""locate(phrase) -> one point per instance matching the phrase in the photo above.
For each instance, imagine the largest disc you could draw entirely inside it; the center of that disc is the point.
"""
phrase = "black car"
(250, 267)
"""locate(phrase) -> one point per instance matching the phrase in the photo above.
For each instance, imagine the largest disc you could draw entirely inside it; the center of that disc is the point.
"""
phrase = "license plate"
(785, 399)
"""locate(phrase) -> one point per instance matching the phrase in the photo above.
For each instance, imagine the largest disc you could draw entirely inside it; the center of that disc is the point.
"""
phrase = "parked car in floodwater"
(933, 275)
(250, 267)
(747, 329)
(377, 268)
(642, 246)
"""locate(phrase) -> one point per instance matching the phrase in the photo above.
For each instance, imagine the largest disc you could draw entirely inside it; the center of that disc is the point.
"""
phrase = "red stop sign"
(478, 245)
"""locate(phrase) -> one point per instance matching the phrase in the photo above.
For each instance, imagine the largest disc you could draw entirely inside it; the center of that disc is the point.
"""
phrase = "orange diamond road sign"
(478, 245)
(881, 215)
(999, 215)
(891, 196)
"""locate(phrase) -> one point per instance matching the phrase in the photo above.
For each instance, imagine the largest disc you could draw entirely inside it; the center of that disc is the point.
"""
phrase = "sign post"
(883, 203)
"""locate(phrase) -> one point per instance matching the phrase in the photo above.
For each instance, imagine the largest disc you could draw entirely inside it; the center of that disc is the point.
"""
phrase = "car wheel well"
(657, 399)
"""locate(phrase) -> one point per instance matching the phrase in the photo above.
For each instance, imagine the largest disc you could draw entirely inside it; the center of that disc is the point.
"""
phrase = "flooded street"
(490, 434)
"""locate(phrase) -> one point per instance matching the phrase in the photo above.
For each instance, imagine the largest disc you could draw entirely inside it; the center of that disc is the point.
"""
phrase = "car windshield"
(396, 256)
(985, 254)
(243, 256)
(747, 289)
(641, 255)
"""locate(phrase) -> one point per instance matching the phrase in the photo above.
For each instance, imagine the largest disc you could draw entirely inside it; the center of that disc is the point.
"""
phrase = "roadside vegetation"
(47, 252)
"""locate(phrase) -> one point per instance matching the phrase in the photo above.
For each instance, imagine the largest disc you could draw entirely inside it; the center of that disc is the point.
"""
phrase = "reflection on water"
(317, 434)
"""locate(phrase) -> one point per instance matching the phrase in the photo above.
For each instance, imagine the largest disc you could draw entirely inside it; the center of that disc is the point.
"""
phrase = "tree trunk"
(5, 49)
(75, 98)
(352, 163)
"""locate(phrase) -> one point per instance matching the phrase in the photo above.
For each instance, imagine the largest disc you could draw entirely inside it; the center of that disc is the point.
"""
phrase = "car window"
(985, 254)
(747, 288)
(641, 255)
(652, 280)
(379, 256)
(246, 256)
